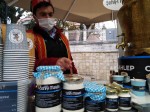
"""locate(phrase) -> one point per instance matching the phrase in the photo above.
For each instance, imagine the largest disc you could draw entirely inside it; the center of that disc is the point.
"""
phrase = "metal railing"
(92, 35)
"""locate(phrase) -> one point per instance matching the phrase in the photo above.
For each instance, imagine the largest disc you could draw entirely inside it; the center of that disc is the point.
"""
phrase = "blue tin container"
(138, 87)
(118, 78)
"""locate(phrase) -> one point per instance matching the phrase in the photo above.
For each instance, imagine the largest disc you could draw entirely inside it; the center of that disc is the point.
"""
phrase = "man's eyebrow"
(47, 13)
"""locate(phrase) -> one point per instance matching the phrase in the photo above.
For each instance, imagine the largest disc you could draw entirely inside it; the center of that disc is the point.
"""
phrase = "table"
(141, 103)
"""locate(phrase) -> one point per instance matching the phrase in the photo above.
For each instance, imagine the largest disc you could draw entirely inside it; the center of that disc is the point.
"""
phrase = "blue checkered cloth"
(95, 97)
(89, 83)
(45, 72)
(45, 75)
(95, 91)
(48, 68)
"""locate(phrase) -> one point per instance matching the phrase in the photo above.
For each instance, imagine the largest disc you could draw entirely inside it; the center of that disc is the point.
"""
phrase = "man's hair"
(40, 5)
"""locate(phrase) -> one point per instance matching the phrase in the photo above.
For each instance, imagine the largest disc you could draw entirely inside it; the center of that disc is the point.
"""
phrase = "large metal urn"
(134, 19)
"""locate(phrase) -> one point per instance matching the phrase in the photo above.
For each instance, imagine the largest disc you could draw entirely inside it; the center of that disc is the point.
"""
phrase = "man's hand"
(64, 63)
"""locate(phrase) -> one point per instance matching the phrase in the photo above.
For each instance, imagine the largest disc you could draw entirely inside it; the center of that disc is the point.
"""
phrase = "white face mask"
(47, 23)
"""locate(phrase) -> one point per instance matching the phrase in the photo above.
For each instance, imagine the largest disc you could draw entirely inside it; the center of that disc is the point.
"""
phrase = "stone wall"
(94, 61)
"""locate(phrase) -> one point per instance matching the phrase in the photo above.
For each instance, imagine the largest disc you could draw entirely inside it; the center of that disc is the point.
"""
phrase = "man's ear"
(36, 19)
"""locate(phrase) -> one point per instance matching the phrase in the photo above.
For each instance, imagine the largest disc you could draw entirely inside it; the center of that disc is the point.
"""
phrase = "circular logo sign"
(112, 4)
(16, 36)
(30, 43)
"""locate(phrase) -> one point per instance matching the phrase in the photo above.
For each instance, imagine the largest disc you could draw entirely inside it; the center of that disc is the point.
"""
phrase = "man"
(52, 47)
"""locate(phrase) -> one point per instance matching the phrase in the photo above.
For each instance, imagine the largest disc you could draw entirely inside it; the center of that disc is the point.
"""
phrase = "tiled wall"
(95, 61)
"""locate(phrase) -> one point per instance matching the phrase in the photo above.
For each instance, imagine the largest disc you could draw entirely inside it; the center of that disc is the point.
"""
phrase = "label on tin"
(94, 106)
(125, 101)
(138, 88)
(73, 99)
(119, 82)
(112, 103)
(30, 43)
(47, 96)
(8, 97)
(16, 36)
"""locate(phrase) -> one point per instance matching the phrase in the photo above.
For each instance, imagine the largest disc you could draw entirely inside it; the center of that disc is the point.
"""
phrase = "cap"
(35, 2)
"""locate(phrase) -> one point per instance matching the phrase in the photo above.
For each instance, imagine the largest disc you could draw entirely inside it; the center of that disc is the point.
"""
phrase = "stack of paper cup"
(15, 62)
(15, 54)
(31, 47)
(1, 52)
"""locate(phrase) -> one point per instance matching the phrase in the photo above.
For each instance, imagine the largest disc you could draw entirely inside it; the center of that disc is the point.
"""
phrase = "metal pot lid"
(73, 79)
(124, 90)
(111, 92)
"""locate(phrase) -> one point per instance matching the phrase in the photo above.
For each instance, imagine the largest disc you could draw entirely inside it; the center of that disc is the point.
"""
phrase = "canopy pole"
(69, 10)
(112, 15)
(13, 2)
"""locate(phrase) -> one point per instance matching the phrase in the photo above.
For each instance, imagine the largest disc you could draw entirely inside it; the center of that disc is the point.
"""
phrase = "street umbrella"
(81, 11)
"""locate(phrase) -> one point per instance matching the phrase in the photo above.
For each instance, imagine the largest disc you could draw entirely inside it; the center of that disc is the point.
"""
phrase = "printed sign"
(112, 4)
(135, 66)
(8, 97)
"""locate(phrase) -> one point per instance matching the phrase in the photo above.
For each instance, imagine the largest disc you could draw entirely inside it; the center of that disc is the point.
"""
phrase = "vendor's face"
(44, 12)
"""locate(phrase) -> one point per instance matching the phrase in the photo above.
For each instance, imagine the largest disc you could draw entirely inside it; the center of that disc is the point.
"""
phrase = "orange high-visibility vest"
(3, 32)
(40, 46)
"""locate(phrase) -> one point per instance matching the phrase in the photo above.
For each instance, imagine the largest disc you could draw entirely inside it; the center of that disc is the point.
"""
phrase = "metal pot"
(135, 24)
